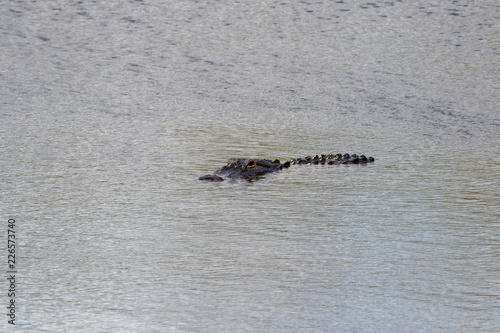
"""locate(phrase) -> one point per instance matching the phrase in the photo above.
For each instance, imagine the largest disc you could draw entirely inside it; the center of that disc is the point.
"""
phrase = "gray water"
(111, 111)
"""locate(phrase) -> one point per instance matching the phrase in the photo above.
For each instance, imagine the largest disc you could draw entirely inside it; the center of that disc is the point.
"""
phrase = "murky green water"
(110, 112)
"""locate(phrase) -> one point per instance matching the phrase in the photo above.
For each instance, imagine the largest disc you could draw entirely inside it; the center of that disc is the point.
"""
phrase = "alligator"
(253, 168)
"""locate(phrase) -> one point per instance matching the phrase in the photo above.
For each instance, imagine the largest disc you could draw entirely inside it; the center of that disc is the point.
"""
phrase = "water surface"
(110, 112)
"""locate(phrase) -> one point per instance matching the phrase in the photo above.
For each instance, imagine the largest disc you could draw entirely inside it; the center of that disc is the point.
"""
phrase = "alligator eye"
(251, 164)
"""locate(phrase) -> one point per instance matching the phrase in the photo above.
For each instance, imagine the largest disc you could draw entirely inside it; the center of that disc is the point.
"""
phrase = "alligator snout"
(211, 178)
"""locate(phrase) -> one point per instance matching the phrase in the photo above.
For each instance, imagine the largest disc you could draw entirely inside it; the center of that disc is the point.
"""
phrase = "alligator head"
(244, 168)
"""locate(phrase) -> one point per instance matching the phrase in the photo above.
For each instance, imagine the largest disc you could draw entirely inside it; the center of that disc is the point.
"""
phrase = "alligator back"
(249, 168)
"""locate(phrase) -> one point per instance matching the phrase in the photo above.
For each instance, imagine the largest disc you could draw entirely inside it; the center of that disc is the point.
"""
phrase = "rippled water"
(111, 111)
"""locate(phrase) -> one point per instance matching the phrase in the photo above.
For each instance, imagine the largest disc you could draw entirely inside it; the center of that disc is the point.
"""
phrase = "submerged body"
(252, 168)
